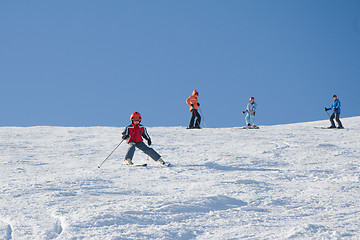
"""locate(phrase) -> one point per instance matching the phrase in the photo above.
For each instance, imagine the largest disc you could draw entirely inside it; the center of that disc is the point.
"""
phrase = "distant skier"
(135, 133)
(192, 101)
(336, 108)
(250, 113)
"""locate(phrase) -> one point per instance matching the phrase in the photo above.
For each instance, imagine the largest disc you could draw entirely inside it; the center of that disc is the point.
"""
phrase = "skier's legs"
(332, 120)
(198, 119)
(148, 151)
(337, 118)
(252, 120)
(130, 151)
(247, 119)
(192, 120)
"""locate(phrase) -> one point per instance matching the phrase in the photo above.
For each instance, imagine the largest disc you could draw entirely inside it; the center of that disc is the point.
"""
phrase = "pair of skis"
(251, 127)
(329, 128)
(247, 127)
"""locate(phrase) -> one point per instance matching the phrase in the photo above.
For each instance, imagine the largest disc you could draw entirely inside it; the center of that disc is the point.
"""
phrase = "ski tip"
(139, 165)
(136, 165)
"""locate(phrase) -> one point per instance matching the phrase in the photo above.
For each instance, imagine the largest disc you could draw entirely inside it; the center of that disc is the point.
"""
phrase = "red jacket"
(136, 133)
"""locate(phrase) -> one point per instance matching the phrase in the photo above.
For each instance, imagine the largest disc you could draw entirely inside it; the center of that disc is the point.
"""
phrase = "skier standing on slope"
(135, 133)
(192, 101)
(250, 113)
(335, 107)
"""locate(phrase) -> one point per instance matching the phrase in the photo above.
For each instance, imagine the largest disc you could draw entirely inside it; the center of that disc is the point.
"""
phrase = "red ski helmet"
(195, 93)
(252, 98)
(135, 115)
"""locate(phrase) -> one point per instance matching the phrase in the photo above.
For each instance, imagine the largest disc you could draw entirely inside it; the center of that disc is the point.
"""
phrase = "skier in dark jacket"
(336, 110)
(135, 133)
(192, 101)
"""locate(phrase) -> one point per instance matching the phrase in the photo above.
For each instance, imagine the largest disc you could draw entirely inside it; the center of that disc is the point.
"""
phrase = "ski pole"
(327, 113)
(110, 154)
(202, 117)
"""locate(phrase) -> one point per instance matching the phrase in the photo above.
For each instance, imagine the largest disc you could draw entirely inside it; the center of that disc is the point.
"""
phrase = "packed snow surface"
(292, 181)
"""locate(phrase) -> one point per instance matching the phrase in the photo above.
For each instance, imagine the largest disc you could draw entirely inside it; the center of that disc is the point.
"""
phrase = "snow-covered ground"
(279, 182)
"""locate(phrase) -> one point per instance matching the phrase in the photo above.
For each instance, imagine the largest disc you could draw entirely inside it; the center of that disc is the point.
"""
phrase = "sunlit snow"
(279, 182)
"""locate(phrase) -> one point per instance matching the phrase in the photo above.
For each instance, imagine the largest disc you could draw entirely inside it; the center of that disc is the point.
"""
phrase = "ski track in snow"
(278, 182)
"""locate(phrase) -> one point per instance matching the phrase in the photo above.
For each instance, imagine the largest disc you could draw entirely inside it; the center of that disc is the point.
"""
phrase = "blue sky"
(92, 63)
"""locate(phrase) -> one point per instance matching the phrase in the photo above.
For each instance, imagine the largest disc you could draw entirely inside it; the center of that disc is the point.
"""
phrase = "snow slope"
(279, 182)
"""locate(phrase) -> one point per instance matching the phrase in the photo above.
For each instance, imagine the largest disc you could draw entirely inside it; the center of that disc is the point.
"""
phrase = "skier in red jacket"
(135, 133)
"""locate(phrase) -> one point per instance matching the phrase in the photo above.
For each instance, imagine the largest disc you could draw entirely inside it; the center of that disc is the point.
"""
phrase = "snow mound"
(278, 182)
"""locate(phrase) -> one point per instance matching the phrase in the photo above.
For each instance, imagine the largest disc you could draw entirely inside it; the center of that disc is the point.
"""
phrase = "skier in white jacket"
(250, 113)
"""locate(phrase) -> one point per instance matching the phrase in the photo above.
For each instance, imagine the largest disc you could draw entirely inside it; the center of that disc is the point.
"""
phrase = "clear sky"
(92, 63)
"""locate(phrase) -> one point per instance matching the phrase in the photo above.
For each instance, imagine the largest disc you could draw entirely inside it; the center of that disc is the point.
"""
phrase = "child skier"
(135, 133)
(335, 107)
(192, 101)
(250, 113)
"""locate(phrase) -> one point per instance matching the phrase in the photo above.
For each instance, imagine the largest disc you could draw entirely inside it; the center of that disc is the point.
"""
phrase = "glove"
(149, 142)
(335, 109)
(243, 112)
(192, 105)
(124, 137)
(326, 109)
(198, 104)
(254, 113)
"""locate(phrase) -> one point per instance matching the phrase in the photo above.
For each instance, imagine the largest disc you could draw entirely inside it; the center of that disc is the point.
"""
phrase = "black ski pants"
(337, 118)
(195, 114)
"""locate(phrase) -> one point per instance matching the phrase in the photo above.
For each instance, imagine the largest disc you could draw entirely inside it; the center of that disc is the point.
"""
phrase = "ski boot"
(128, 162)
(161, 162)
